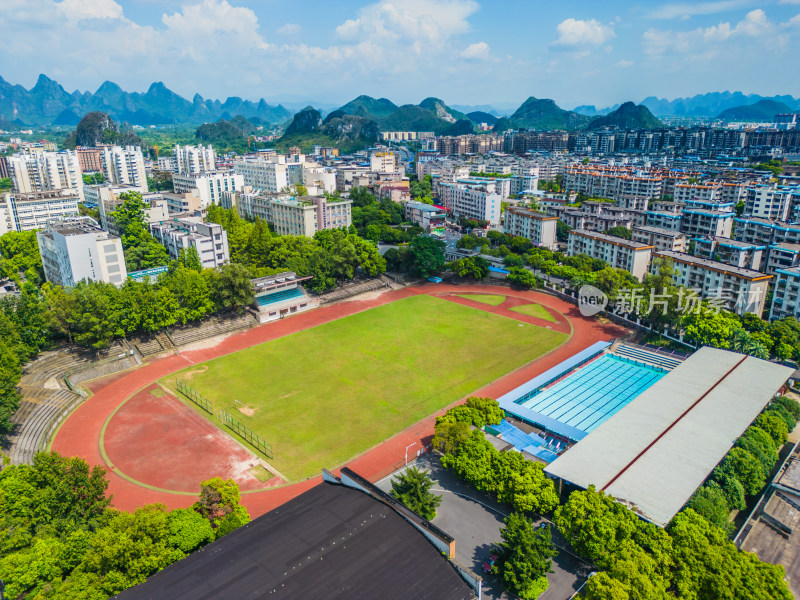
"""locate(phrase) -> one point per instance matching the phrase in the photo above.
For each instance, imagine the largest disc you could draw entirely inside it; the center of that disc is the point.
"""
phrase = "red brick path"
(80, 435)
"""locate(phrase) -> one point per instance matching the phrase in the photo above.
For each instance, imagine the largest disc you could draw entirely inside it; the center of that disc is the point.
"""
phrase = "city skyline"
(576, 53)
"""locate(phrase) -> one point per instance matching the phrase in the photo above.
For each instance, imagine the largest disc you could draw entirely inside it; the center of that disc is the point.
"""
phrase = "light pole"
(407, 447)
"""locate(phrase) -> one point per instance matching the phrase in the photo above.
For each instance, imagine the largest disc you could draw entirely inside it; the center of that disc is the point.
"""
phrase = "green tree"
(523, 279)
(190, 259)
(486, 411)
(428, 255)
(758, 443)
(413, 488)
(526, 556)
(710, 503)
(774, 426)
(621, 232)
(471, 267)
(5, 184)
(746, 468)
(231, 287)
(449, 435)
(603, 586)
(189, 530)
(220, 503)
(190, 289)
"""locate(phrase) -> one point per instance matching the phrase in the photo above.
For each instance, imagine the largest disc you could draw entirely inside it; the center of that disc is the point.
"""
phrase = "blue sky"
(463, 51)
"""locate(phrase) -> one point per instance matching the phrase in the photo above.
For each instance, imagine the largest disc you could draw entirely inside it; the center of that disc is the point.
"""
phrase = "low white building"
(26, 212)
(480, 202)
(77, 249)
(539, 228)
(617, 252)
(786, 295)
(659, 238)
(306, 215)
(737, 289)
(181, 233)
(429, 217)
(209, 186)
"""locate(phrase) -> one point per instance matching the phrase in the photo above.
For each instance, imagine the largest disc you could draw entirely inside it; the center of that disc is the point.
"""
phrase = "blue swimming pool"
(591, 394)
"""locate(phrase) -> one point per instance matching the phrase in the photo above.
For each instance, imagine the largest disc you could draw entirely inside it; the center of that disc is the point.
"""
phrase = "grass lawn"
(492, 299)
(534, 310)
(323, 395)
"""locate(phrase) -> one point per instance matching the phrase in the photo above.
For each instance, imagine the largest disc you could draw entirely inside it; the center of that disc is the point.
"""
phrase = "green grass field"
(491, 299)
(324, 395)
(534, 310)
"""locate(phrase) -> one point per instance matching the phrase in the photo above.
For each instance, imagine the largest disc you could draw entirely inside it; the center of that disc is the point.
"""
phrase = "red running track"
(82, 432)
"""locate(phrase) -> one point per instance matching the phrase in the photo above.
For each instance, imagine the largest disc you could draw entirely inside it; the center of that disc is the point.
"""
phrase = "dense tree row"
(747, 467)
(380, 220)
(691, 559)
(59, 538)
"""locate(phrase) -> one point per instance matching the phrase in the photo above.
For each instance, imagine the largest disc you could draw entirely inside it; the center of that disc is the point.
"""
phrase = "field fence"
(194, 396)
(245, 433)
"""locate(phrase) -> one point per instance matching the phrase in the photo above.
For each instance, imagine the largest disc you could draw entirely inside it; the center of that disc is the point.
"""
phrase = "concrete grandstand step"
(647, 356)
(31, 435)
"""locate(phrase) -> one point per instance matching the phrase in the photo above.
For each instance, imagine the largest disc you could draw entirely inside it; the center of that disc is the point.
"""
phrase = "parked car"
(487, 566)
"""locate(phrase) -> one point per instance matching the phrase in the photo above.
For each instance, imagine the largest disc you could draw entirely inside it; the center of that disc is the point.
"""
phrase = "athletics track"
(99, 430)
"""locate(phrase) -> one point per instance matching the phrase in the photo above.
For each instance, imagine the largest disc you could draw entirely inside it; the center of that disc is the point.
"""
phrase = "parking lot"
(474, 519)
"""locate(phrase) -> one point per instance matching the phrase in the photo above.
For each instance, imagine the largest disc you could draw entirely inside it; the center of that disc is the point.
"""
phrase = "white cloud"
(624, 64)
(76, 10)
(476, 51)
(673, 11)
(289, 29)
(575, 32)
(707, 41)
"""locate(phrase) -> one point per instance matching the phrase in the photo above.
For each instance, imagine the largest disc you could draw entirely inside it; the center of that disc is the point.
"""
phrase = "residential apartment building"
(480, 202)
(124, 166)
(209, 186)
(619, 253)
(77, 249)
(106, 197)
(786, 295)
(45, 171)
(89, 159)
(430, 218)
(782, 256)
(611, 182)
(307, 215)
(26, 212)
(195, 159)
(384, 162)
(274, 175)
(539, 228)
(769, 201)
(701, 223)
(181, 233)
(659, 238)
(731, 252)
(736, 289)
(764, 232)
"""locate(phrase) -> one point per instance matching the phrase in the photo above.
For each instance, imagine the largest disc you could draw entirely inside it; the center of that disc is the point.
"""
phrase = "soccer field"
(323, 395)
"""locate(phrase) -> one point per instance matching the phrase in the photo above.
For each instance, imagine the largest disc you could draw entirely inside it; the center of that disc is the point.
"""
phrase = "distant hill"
(366, 106)
(441, 110)
(98, 127)
(536, 113)
(761, 111)
(48, 103)
(711, 104)
(591, 111)
(345, 131)
(627, 116)
(479, 117)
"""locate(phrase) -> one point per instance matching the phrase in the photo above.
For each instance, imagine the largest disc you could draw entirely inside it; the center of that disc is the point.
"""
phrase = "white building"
(384, 162)
(737, 289)
(124, 166)
(26, 212)
(659, 238)
(307, 214)
(209, 239)
(274, 174)
(540, 229)
(768, 202)
(617, 252)
(77, 249)
(786, 295)
(430, 218)
(480, 202)
(195, 159)
(45, 171)
(209, 186)
(106, 197)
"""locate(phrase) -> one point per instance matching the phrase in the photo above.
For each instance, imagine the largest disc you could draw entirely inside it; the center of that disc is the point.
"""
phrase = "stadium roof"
(654, 453)
(330, 542)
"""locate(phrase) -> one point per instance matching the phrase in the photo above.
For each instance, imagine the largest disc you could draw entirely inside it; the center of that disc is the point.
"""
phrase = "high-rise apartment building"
(45, 171)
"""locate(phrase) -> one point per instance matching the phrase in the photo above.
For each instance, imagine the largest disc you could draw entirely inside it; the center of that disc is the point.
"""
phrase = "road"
(474, 519)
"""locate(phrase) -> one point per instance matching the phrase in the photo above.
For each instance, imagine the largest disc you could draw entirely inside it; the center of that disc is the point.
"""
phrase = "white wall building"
(617, 252)
(539, 228)
(768, 202)
(124, 166)
(45, 171)
(479, 202)
(195, 159)
(209, 239)
(209, 186)
(307, 214)
(77, 249)
(26, 212)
